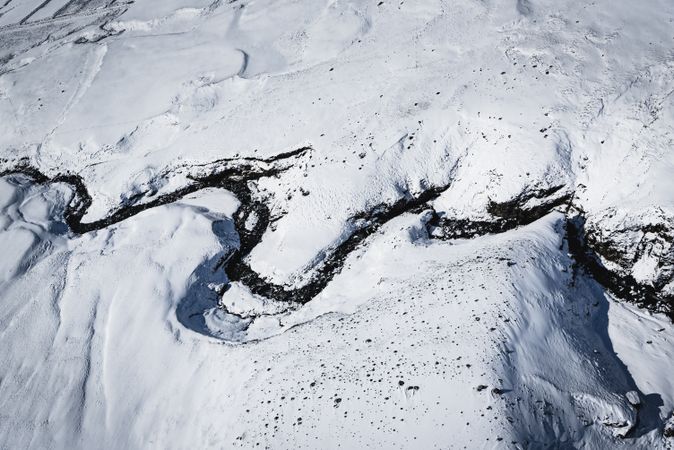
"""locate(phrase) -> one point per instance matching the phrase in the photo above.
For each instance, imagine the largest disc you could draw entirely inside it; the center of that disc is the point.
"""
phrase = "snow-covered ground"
(326, 140)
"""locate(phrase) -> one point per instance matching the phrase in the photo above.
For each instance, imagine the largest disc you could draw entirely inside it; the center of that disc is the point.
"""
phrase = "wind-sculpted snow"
(506, 322)
(322, 224)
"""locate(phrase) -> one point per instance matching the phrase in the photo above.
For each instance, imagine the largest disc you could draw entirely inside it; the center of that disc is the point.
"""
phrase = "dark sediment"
(505, 215)
(364, 224)
(229, 174)
(234, 175)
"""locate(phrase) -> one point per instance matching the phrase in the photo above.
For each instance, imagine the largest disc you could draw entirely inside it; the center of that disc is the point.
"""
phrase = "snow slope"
(130, 335)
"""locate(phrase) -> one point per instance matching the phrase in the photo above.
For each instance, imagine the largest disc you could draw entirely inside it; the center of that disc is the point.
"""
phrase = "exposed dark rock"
(623, 243)
(669, 427)
(623, 286)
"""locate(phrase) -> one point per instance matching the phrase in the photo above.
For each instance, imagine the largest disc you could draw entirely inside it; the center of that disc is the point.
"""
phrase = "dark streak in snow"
(234, 175)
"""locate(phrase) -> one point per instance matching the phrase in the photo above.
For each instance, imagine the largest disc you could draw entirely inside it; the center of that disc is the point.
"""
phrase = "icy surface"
(131, 335)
